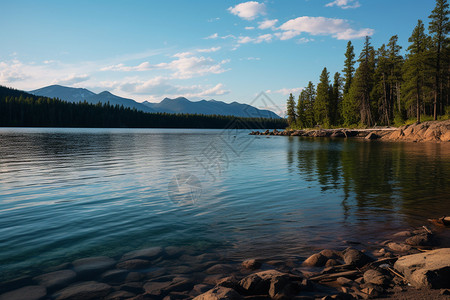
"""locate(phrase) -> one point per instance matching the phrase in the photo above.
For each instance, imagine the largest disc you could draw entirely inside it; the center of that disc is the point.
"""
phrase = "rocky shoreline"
(432, 131)
(409, 265)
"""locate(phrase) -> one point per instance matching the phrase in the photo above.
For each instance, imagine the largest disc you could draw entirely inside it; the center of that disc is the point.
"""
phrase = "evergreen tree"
(322, 103)
(381, 89)
(309, 98)
(439, 29)
(415, 69)
(363, 82)
(395, 74)
(290, 110)
(336, 99)
(301, 110)
(349, 67)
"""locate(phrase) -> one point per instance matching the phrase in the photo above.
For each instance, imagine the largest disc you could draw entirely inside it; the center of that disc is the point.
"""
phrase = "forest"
(385, 88)
(21, 109)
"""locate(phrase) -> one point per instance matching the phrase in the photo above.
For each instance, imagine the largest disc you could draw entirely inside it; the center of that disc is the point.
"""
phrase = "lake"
(72, 193)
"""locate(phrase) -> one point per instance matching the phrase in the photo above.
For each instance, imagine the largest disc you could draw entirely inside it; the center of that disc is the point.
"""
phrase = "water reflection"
(409, 178)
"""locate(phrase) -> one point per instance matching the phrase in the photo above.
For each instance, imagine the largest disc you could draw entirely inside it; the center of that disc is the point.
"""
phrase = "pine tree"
(395, 75)
(439, 29)
(290, 110)
(349, 67)
(309, 98)
(415, 69)
(364, 82)
(322, 103)
(381, 89)
(336, 99)
(301, 112)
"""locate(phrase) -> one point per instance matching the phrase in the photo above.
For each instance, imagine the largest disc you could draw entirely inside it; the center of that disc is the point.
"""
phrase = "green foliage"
(290, 110)
(349, 67)
(322, 103)
(19, 108)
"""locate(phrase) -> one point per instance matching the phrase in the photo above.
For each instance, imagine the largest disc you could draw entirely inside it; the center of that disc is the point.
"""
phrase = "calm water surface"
(72, 193)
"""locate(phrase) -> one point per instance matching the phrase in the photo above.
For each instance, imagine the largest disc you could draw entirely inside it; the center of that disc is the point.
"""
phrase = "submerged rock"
(430, 269)
(315, 260)
(92, 266)
(134, 264)
(32, 292)
(85, 290)
(355, 257)
(148, 253)
(56, 280)
(252, 264)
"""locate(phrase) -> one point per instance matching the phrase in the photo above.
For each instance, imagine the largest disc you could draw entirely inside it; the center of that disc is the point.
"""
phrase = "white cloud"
(72, 79)
(267, 24)
(185, 65)
(257, 40)
(212, 36)
(337, 28)
(212, 49)
(304, 40)
(249, 28)
(285, 91)
(344, 4)
(248, 10)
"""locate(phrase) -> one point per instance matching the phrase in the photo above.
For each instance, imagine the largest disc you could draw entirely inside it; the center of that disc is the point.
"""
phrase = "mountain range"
(177, 105)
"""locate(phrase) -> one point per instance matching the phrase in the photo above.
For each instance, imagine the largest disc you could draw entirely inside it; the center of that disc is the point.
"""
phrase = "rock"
(332, 262)
(338, 134)
(219, 293)
(331, 254)
(178, 284)
(355, 257)
(92, 266)
(56, 280)
(220, 269)
(132, 287)
(120, 295)
(134, 264)
(116, 276)
(420, 240)
(15, 283)
(260, 283)
(375, 277)
(345, 281)
(405, 233)
(315, 260)
(199, 289)
(173, 251)
(148, 254)
(399, 247)
(371, 292)
(430, 269)
(84, 291)
(230, 282)
(252, 264)
(134, 276)
(32, 292)
(372, 136)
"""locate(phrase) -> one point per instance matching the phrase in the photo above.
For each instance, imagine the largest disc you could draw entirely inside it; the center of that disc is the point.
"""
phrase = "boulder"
(32, 292)
(134, 264)
(355, 257)
(220, 293)
(425, 239)
(252, 264)
(92, 266)
(83, 291)
(220, 269)
(399, 247)
(375, 277)
(315, 260)
(430, 269)
(148, 253)
(262, 283)
(56, 280)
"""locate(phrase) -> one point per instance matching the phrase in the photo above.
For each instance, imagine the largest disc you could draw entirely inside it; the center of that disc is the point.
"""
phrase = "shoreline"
(371, 271)
(430, 131)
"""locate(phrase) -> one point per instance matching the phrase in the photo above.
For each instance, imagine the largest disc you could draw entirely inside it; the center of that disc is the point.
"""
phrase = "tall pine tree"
(322, 103)
(439, 29)
(349, 67)
(290, 110)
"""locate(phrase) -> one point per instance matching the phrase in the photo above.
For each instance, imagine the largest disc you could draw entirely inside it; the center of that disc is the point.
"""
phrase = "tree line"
(20, 109)
(385, 87)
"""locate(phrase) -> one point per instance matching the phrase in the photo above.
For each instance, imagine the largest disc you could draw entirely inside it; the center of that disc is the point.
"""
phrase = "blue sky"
(223, 50)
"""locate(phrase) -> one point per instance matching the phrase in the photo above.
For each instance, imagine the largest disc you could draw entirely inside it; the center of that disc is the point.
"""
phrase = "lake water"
(72, 193)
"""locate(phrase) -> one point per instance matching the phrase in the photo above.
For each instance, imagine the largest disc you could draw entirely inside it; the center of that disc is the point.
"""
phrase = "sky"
(222, 50)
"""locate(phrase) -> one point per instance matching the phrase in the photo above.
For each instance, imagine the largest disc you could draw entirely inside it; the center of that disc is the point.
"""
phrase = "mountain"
(78, 94)
(210, 107)
(177, 105)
